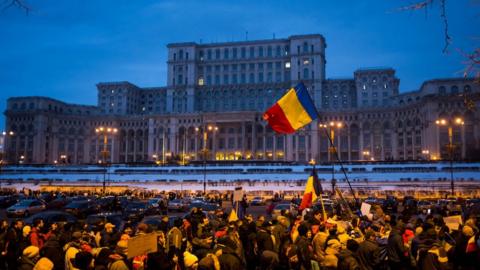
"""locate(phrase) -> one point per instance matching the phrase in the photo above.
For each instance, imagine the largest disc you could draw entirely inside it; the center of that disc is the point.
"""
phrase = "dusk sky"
(61, 49)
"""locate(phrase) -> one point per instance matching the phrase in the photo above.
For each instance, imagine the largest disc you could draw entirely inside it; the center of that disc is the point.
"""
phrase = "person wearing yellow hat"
(29, 258)
(43, 264)
(190, 260)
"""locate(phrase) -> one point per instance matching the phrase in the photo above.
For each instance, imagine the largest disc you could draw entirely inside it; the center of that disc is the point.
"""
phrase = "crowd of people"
(220, 240)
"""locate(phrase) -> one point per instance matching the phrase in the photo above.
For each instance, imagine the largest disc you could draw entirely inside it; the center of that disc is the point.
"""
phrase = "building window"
(260, 51)
(243, 52)
(200, 81)
(251, 78)
(260, 77)
(226, 53)
(217, 54)
(252, 52)
(234, 53)
(209, 54)
(305, 73)
(287, 64)
(269, 51)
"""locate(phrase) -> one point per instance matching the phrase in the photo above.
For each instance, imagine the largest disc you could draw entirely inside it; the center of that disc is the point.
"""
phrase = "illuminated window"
(287, 64)
(200, 81)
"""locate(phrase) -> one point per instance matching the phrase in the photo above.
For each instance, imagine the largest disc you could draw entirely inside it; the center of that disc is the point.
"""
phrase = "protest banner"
(453, 222)
(142, 244)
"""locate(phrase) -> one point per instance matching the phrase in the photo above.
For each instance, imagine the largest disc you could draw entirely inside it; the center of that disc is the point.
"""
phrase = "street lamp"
(105, 132)
(449, 123)
(426, 154)
(330, 127)
(212, 129)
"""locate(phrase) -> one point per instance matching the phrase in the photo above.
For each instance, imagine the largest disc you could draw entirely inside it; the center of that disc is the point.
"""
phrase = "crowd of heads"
(224, 240)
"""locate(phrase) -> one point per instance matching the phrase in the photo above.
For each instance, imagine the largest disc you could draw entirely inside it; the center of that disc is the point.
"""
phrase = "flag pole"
(320, 194)
(336, 153)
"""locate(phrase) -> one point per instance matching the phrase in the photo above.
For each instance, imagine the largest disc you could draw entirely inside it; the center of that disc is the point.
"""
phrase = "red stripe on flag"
(306, 201)
(277, 120)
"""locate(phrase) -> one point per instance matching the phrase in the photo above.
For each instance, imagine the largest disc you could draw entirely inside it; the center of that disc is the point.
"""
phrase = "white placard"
(365, 209)
(238, 194)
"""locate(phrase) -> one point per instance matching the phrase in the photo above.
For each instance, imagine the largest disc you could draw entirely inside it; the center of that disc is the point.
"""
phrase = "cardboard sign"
(238, 194)
(453, 222)
(365, 209)
(142, 244)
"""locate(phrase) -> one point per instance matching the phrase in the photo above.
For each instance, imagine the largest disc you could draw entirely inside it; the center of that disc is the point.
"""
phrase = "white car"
(25, 208)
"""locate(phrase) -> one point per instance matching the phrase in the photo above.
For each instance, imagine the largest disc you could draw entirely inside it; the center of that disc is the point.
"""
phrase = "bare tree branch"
(21, 4)
(443, 15)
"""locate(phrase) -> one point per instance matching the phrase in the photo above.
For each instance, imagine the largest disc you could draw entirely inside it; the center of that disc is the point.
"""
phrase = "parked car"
(81, 209)
(178, 205)
(59, 202)
(424, 205)
(7, 201)
(25, 208)
(50, 217)
(159, 204)
(257, 201)
(135, 211)
(205, 206)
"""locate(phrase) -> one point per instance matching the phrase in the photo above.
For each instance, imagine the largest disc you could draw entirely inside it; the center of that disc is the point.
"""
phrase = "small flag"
(313, 189)
(233, 216)
(471, 245)
(292, 111)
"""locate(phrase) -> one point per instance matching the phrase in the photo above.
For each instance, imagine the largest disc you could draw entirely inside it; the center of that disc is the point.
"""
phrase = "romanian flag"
(291, 112)
(313, 189)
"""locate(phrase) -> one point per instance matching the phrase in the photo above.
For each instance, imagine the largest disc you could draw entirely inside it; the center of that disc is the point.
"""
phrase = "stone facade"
(229, 86)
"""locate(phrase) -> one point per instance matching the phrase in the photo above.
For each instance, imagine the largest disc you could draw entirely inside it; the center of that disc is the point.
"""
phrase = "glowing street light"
(449, 123)
(105, 132)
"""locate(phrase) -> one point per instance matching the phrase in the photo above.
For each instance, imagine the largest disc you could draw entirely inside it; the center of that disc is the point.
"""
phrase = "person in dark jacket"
(396, 251)
(160, 260)
(346, 257)
(368, 253)
(12, 248)
(109, 237)
(304, 250)
(264, 238)
(52, 249)
(227, 257)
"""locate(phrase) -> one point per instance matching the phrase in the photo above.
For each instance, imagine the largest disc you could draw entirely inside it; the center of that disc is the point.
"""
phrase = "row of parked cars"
(116, 210)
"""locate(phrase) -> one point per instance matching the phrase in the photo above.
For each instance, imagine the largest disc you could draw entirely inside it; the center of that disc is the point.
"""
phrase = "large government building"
(216, 93)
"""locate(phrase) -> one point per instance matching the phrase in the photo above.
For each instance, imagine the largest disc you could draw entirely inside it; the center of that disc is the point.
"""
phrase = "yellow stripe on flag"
(293, 109)
(310, 189)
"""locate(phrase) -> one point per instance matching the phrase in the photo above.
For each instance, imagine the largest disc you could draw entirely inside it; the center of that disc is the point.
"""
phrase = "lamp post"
(449, 123)
(105, 132)
(205, 131)
(366, 155)
(333, 151)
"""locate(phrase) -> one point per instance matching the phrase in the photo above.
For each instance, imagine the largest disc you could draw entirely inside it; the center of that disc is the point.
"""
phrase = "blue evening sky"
(64, 47)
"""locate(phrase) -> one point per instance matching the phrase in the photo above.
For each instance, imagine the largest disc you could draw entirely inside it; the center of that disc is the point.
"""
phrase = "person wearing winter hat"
(331, 252)
(83, 260)
(43, 264)
(29, 258)
(209, 262)
(190, 260)
(122, 247)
